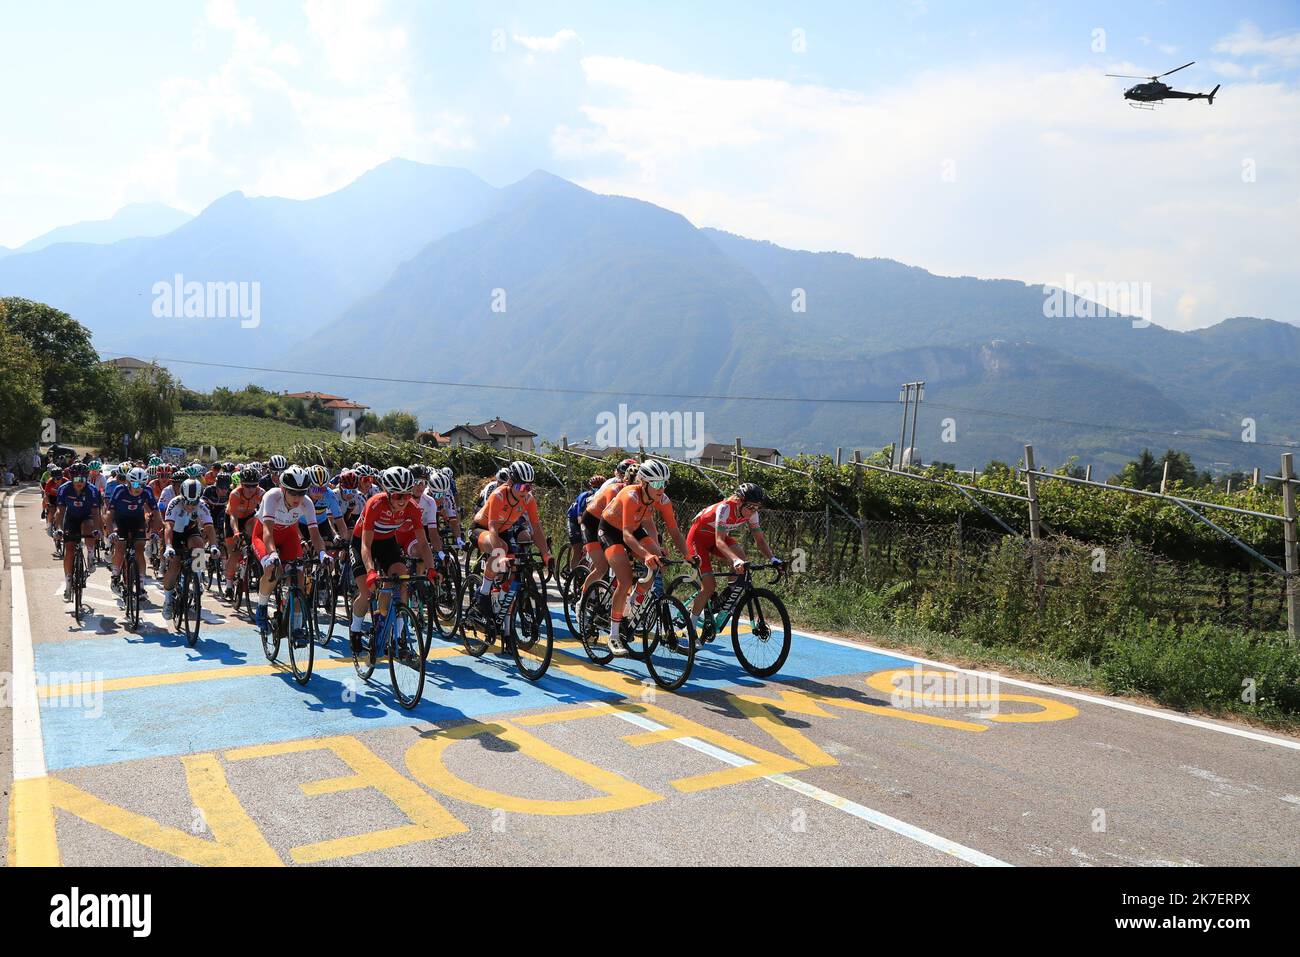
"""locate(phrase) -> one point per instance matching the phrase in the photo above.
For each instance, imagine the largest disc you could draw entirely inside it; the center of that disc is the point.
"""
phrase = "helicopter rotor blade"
(1177, 68)
(1127, 76)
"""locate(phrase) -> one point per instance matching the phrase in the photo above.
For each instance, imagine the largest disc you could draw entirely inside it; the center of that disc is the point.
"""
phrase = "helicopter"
(1145, 96)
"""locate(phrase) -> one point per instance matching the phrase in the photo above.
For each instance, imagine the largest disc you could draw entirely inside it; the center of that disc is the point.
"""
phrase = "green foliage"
(143, 407)
(242, 436)
(253, 400)
(66, 364)
(400, 425)
(21, 408)
(1204, 666)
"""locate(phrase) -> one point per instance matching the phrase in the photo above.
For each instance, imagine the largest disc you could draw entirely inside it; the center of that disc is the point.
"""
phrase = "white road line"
(29, 747)
(1291, 743)
(871, 816)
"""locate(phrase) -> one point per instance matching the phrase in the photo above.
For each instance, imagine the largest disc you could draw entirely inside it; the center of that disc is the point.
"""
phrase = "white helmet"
(439, 484)
(397, 479)
(278, 463)
(137, 475)
(295, 478)
(652, 470)
(191, 490)
(446, 470)
(521, 472)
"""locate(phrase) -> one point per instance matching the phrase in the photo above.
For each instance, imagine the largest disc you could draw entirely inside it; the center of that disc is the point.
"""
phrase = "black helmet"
(749, 492)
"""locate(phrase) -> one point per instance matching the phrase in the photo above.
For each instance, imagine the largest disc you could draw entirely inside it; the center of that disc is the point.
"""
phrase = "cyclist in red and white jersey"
(390, 525)
(275, 530)
(709, 536)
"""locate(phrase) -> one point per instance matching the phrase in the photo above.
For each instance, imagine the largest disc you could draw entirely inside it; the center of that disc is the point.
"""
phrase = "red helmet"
(347, 479)
(596, 481)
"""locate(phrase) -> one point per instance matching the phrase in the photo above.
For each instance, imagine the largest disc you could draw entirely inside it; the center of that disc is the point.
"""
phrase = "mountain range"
(418, 272)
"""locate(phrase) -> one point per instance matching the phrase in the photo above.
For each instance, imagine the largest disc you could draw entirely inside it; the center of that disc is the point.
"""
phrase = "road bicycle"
(656, 627)
(570, 588)
(291, 618)
(187, 603)
(519, 616)
(760, 625)
(248, 576)
(397, 636)
(132, 594)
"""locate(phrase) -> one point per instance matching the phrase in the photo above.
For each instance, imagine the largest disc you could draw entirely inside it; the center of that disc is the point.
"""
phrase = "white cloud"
(1249, 41)
(963, 173)
(263, 121)
(550, 44)
(356, 45)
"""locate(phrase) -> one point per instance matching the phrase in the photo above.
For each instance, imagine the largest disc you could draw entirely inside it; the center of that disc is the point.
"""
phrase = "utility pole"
(905, 397)
(1289, 536)
(1035, 525)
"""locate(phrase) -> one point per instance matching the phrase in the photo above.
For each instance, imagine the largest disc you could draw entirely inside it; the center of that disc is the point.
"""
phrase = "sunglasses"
(658, 485)
(524, 486)
(399, 496)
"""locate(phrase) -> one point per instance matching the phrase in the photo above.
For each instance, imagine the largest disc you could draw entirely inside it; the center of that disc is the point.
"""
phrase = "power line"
(1132, 430)
(557, 390)
(521, 388)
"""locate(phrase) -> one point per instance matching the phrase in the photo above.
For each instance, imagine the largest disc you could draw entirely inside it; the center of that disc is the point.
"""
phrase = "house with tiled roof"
(718, 456)
(342, 408)
(497, 433)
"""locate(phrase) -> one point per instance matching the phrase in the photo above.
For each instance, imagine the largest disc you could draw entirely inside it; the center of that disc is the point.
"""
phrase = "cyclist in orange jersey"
(493, 522)
(590, 520)
(627, 530)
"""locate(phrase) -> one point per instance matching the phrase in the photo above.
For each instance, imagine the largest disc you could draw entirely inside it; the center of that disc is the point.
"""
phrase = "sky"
(977, 138)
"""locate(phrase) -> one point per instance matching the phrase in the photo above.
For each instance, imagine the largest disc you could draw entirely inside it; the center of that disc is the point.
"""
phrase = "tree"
(1143, 472)
(400, 425)
(146, 406)
(70, 373)
(21, 409)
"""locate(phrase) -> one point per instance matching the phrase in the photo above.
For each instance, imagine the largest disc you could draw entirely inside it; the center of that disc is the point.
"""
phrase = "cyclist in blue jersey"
(77, 515)
(329, 511)
(131, 508)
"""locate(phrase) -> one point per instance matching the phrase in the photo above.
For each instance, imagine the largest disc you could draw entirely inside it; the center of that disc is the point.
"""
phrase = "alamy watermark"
(1090, 300)
(652, 430)
(177, 299)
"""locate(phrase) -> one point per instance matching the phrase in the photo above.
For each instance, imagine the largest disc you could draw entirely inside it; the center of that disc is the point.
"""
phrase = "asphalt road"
(130, 748)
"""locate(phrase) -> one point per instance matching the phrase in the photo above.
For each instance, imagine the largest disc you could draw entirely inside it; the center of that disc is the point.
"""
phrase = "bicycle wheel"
(325, 607)
(474, 631)
(78, 582)
(337, 596)
(241, 599)
(570, 586)
(192, 610)
(131, 592)
(300, 634)
(593, 621)
(363, 654)
(669, 643)
(271, 635)
(531, 634)
(760, 633)
(407, 647)
(446, 600)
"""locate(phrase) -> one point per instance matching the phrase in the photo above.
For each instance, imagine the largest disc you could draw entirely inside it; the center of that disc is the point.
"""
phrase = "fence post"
(862, 519)
(1292, 549)
(1035, 527)
(1164, 478)
(1087, 474)
(739, 470)
(829, 538)
(1254, 477)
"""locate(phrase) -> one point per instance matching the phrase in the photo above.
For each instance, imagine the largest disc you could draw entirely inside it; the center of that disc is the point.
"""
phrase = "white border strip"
(1076, 695)
(29, 746)
(878, 818)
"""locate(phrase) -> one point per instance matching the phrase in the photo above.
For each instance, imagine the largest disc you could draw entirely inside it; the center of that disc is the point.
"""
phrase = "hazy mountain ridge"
(615, 294)
(131, 221)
